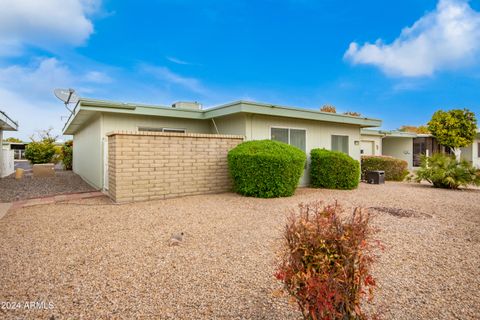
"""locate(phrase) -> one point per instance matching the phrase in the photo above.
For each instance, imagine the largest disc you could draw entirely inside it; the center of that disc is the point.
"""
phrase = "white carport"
(6, 156)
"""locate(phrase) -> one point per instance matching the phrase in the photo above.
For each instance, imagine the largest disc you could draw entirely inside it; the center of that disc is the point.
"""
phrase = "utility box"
(375, 177)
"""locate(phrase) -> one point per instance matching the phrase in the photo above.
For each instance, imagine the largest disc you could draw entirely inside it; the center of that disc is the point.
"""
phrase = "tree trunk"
(457, 152)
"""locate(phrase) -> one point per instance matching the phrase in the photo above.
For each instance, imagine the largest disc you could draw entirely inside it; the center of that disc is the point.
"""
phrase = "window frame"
(290, 128)
(340, 135)
(161, 129)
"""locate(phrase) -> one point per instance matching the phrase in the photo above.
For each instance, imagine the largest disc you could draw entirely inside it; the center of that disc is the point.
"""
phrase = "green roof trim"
(388, 133)
(241, 106)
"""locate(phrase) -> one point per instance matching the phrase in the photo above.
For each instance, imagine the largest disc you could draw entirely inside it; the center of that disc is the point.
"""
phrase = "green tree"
(41, 150)
(454, 128)
(414, 129)
(12, 139)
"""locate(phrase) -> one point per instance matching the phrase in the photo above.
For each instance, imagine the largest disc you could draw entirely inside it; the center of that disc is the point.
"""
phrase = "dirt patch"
(35, 187)
(399, 212)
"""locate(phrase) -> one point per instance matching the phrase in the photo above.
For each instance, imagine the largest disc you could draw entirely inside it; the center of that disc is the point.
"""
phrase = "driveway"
(93, 259)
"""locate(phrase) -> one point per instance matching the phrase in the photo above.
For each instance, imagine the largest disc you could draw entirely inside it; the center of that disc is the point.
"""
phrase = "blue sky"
(398, 60)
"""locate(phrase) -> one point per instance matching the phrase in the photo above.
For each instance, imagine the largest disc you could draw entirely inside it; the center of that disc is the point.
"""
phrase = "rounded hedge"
(266, 168)
(333, 170)
(395, 169)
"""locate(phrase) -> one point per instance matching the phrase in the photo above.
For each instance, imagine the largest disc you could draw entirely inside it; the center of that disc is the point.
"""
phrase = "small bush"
(446, 172)
(325, 261)
(266, 168)
(395, 169)
(333, 170)
(67, 155)
(40, 151)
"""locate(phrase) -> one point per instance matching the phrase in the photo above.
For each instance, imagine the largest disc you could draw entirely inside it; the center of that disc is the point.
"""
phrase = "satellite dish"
(67, 96)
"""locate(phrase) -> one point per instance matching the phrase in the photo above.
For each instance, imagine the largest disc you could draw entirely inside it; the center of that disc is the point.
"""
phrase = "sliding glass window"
(294, 137)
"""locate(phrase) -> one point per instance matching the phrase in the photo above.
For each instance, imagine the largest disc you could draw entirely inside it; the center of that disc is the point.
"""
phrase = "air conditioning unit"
(187, 105)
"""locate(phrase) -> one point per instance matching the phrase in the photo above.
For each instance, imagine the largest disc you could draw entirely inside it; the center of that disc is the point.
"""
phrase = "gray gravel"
(30, 187)
(93, 259)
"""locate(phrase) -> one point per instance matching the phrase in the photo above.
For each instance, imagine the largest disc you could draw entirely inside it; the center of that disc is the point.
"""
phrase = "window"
(294, 137)
(151, 129)
(173, 130)
(340, 143)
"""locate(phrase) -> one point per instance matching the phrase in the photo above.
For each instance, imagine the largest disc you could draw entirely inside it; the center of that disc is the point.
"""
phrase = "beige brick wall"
(154, 165)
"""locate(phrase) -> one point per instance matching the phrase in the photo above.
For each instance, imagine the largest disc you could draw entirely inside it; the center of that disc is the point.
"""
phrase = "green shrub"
(43, 149)
(67, 155)
(266, 169)
(40, 151)
(325, 261)
(333, 170)
(58, 156)
(395, 169)
(446, 172)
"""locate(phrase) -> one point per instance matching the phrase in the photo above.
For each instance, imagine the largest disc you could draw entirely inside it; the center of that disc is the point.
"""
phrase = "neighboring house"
(472, 152)
(6, 156)
(17, 147)
(411, 146)
(306, 129)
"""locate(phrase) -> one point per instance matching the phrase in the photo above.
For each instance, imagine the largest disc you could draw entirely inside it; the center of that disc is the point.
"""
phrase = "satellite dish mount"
(67, 96)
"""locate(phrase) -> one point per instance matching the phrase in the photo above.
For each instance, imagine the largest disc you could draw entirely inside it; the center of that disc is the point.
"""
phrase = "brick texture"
(154, 165)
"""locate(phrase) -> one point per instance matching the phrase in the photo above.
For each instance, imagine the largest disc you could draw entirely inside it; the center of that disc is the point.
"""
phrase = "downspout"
(215, 125)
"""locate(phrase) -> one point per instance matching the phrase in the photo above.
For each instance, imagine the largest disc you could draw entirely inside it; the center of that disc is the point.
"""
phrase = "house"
(6, 156)
(411, 146)
(93, 120)
(17, 147)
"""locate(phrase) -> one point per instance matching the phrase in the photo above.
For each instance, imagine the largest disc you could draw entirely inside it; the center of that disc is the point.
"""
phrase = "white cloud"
(177, 61)
(446, 38)
(170, 77)
(97, 77)
(26, 93)
(44, 23)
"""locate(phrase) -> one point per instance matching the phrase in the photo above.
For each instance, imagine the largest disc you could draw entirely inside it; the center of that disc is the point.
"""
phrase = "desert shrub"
(325, 261)
(67, 155)
(266, 168)
(395, 169)
(446, 172)
(333, 170)
(40, 151)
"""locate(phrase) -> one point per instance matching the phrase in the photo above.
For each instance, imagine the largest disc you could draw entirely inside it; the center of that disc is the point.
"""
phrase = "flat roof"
(6, 123)
(84, 108)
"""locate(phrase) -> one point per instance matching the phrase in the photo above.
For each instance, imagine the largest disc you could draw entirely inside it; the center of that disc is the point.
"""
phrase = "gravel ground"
(93, 259)
(30, 187)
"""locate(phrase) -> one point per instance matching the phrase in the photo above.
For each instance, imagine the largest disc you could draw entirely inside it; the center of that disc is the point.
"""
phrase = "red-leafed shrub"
(325, 262)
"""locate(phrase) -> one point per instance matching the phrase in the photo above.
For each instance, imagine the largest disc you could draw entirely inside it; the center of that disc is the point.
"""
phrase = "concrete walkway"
(5, 207)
